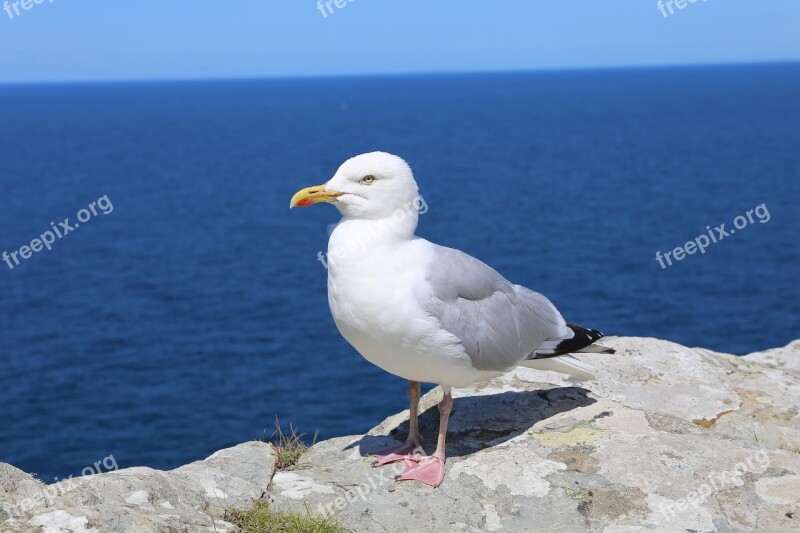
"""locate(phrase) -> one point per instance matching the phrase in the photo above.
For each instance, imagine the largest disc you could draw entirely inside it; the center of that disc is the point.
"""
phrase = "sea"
(181, 306)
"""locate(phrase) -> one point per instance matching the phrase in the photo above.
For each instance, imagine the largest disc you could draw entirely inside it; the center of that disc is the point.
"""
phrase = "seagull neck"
(356, 236)
(378, 230)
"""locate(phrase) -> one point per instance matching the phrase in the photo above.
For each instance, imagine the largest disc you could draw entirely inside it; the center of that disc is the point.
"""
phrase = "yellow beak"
(313, 195)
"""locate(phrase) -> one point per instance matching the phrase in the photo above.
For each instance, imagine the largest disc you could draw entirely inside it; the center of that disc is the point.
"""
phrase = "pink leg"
(430, 470)
(414, 440)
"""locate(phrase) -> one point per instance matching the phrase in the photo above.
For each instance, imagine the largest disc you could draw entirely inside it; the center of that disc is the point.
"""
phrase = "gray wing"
(499, 324)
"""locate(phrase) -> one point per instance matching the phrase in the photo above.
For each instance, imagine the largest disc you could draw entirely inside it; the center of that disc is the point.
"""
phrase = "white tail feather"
(564, 364)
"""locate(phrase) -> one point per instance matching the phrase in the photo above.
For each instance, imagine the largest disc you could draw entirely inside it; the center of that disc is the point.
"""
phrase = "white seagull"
(425, 312)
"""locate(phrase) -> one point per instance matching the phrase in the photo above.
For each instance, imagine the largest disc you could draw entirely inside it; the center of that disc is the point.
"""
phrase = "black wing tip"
(591, 334)
(583, 338)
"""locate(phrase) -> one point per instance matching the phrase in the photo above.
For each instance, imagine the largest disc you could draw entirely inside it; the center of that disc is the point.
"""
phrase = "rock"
(190, 498)
(16, 485)
(667, 438)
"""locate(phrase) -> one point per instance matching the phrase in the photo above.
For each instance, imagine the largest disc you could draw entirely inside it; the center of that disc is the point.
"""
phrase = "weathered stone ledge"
(667, 438)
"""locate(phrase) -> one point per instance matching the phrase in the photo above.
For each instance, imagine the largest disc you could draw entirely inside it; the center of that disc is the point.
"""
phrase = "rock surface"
(667, 438)
(190, 498)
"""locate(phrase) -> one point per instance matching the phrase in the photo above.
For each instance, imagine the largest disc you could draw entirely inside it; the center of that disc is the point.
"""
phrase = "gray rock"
(190, 498)
(667, 438)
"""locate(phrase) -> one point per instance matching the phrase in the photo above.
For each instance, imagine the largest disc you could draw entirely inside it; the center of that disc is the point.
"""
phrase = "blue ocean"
(183, 306)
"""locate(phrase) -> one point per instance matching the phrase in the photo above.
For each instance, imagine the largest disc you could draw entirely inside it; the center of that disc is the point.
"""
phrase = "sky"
(84, 40)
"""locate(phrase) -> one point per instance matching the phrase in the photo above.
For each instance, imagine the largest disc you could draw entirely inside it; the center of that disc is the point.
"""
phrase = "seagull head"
(367, 186)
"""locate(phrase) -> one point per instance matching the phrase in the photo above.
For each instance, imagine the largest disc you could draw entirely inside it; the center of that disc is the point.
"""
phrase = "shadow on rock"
(479, 422)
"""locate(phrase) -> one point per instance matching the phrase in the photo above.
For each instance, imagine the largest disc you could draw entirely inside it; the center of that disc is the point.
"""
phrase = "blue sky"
(176, 39)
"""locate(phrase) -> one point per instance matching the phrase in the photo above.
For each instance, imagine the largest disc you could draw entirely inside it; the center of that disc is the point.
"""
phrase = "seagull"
(424, 312)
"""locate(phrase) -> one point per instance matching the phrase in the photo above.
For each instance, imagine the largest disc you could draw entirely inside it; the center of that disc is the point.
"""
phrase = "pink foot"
(396, 453)
(429, 470)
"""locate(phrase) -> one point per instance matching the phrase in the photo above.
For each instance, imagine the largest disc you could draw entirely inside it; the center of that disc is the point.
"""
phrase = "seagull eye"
(368, 180)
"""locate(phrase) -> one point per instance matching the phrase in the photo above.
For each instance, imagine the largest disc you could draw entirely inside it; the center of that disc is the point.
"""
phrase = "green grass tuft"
(263, 519)
(288, 446)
